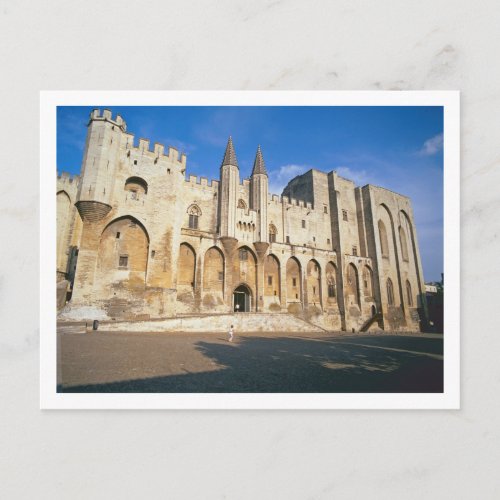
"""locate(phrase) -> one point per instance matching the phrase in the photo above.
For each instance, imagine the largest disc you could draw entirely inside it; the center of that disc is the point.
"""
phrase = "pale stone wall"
(317, 265)
(395, 211)
(69, 224)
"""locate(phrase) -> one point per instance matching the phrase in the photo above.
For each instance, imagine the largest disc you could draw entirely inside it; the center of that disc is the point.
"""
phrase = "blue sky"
(396, 147)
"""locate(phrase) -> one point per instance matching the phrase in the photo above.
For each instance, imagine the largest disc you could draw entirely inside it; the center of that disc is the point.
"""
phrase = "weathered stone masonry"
(137, 239)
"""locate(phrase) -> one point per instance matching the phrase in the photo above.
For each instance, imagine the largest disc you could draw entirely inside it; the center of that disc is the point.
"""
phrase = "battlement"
(143, 145)
(66, 177)
(157, 153)
(193, 180)
(291, 202)
(107, 115)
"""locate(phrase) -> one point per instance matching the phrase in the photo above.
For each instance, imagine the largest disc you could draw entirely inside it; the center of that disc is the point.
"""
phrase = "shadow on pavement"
(295, 364)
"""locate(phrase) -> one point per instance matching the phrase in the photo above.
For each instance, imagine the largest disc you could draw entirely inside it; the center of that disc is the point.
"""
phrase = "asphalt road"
(281, 362)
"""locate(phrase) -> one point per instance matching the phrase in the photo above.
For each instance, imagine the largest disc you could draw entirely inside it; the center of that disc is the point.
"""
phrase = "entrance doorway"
(242, 299)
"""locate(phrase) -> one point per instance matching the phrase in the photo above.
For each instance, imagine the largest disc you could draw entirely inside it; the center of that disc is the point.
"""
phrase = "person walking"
(231, 331)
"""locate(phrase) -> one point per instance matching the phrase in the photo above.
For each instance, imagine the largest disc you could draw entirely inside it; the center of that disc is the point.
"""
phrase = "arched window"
(194, 213)
(242, 204)
(409, 295)
(272, 233)
(136, 187)
(404, 244)
(384, 244)
(390, 292)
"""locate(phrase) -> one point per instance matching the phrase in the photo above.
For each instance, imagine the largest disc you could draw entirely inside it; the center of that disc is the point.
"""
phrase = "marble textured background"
(156, 45)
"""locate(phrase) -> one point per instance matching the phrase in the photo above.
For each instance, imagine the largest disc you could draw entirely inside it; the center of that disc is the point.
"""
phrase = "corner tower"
(228, 192)
(99, 165)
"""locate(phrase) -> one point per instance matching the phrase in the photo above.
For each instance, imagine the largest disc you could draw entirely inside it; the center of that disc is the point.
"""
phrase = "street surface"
(254, 362)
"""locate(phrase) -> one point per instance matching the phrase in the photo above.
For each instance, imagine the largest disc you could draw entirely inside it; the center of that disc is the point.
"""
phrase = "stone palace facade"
(137, 239)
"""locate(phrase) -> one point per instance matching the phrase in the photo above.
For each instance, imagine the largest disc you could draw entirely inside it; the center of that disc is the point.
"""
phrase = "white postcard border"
(50, 399)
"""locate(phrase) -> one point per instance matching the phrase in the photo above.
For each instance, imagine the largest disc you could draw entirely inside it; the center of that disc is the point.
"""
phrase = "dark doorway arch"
(242, 299)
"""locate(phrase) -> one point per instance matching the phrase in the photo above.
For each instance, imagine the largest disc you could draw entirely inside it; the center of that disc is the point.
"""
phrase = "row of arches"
(124, 245)
(301, 284)
(246, 226)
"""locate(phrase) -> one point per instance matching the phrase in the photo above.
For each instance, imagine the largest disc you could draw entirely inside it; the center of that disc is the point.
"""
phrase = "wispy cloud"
(148, 129)
(360, 177)
(432, 146)
(281, 176)
(217, 127)
(182, 146)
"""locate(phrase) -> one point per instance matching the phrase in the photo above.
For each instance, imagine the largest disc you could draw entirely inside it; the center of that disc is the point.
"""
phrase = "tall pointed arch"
(293, 280)
(313, 280)
(394, 249)
(403, 244)
(186, 266)
(213, 271)
(352, 285)
(390, 292)
(384, 243)
(413, 246)
(247, 267)
(272, 285)
(331, 281)
(123, 246)
(367, 281)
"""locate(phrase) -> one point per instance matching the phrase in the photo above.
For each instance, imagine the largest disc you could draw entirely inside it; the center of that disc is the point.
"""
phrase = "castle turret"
(258, 195)
(99, 165)
(228, 192)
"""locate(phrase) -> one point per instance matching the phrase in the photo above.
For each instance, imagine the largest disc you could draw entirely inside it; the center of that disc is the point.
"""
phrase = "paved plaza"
(254, 362)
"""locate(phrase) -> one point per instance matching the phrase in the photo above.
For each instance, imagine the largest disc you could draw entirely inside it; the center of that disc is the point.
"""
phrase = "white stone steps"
(243, 322)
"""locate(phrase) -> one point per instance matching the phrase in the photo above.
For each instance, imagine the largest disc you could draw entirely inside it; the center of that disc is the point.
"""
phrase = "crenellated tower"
(259, 186)
(99, 165)
(228, 192)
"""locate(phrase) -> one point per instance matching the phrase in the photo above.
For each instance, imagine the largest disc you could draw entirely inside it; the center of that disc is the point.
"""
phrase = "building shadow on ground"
(302, 365)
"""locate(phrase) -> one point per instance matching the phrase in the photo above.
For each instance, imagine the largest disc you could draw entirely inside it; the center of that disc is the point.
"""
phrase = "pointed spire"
(230, 155)
(259, 167)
